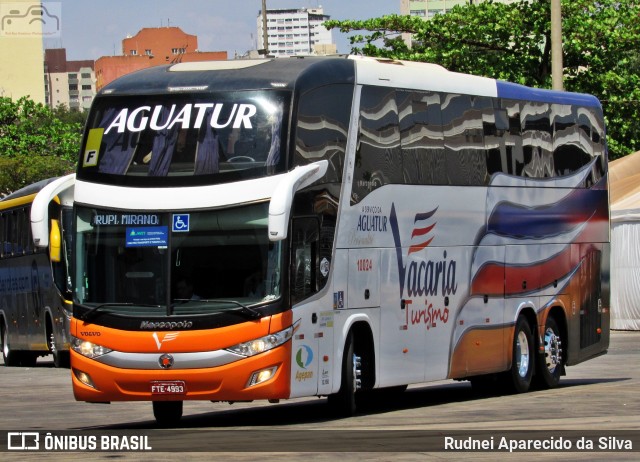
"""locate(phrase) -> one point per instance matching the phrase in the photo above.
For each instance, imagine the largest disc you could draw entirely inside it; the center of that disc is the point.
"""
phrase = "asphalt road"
(598, 402)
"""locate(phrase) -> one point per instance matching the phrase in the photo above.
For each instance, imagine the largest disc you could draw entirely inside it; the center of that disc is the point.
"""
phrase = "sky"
(90, 29)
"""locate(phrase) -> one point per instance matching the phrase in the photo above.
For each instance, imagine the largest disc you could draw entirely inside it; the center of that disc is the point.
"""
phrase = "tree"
(601, 43)
(34, 143)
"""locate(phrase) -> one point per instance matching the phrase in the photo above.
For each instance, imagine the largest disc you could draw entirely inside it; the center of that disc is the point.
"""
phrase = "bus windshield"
(146, 263)
(216, 138)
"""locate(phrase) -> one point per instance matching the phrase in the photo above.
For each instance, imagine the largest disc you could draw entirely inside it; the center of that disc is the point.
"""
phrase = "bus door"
(304, 286)
(590, 304)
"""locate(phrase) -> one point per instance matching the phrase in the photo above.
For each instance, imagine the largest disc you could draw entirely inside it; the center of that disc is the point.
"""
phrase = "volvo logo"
(165, 361)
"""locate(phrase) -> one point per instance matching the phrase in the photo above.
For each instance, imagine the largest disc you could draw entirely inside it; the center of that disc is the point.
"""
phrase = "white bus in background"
(281, 228)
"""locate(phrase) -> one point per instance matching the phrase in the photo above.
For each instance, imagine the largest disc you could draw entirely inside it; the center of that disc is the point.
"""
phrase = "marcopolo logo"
(30, 19)
(160, 325)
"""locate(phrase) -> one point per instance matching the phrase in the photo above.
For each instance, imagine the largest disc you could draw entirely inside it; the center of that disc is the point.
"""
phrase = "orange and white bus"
(35, 283)
(280, 228)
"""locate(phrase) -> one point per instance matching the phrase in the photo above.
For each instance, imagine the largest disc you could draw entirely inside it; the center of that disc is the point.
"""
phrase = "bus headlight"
(262, 344)
(88, 349)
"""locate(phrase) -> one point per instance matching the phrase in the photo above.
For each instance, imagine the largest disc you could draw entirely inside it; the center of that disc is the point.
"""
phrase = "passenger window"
(465, 152)
(423, 160)
(322, 127)
(378, 155)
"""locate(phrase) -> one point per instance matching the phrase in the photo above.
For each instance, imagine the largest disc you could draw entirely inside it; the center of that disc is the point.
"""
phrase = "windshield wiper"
(94, 309)
(243, 310)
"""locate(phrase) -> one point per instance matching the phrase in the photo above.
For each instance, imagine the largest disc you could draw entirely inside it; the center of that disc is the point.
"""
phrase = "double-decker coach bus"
(35, 284)
(279, 228)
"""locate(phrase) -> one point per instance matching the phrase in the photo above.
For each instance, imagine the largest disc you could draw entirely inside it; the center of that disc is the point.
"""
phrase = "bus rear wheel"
(11, 358)
(550, 362)
(518, 379)
(167, 413)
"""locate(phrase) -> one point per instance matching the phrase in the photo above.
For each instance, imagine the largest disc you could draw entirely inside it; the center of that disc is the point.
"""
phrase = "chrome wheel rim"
(5, 342)
(552, 350)
(522, 354)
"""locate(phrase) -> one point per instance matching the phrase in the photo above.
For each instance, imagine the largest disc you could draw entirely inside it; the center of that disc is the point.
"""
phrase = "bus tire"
(343, 403)
(549, 367)
(60, 358)
(522, 363)
(167, 413)
(11, 358)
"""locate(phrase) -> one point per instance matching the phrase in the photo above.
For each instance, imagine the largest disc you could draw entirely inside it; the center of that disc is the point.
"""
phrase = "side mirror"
(282, 198)
(55, 241)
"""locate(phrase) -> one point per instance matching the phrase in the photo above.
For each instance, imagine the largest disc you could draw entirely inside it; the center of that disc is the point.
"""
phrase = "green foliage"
(35, 142)
(22, 170)
(601, 50)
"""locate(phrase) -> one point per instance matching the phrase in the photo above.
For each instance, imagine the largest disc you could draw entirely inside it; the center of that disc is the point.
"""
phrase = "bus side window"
(304, 252)
(423, 159)
(321, 127)
(378, 152)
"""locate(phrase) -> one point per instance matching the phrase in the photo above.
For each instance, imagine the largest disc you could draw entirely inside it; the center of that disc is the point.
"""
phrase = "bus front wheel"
(343, 403)
(550, 362)
(167, 413)
(60, 358)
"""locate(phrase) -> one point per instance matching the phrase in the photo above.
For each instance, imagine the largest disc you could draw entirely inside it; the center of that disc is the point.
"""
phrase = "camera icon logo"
(30, 19)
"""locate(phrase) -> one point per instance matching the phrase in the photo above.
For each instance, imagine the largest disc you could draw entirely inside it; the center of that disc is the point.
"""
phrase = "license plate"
(174, 387)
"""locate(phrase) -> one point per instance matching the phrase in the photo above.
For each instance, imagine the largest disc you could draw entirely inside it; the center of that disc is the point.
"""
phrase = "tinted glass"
(321, 125)
(214, 138)
(378, 155)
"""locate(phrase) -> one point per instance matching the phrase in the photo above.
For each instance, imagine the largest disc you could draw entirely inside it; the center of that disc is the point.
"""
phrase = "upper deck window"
(217, 138)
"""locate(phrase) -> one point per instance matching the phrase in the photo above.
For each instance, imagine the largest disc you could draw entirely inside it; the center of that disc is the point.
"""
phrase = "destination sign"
(127, 219)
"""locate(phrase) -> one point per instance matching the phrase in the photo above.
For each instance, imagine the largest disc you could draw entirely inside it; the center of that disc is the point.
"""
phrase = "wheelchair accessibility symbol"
(180, 223)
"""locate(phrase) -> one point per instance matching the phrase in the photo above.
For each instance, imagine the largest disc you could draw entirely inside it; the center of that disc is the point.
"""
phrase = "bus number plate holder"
(172, 387)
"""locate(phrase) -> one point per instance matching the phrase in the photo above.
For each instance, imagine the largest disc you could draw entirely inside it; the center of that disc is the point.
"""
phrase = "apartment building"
(295, 32)
(429, 8)
(68, 83)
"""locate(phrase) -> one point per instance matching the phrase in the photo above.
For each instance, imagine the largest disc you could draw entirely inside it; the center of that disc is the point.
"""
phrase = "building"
(21, 54)
(68, 83)
(152, 47)
(429, 8)
(295, 32)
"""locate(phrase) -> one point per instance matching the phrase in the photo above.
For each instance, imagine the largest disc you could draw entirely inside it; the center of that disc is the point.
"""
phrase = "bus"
(35, 282)
(332, 226)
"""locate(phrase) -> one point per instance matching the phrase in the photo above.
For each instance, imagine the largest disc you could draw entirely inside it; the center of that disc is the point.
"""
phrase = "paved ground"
(597, 399)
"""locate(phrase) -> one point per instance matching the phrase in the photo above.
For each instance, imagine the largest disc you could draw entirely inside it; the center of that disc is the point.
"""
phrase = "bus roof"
(233, 75)
(29, 190)
(312, 71)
